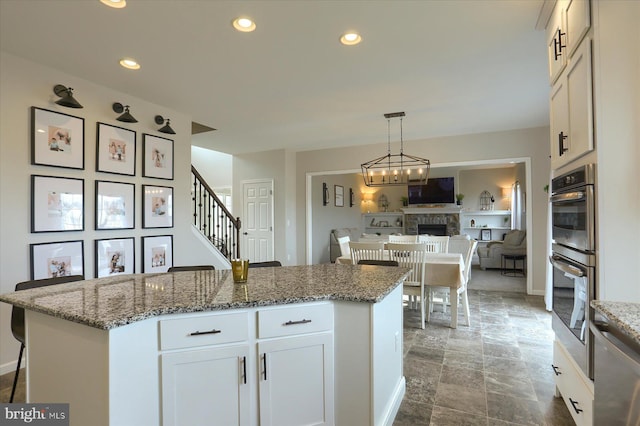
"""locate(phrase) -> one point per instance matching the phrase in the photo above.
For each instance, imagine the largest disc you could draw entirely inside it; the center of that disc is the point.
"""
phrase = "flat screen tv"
(435, 191)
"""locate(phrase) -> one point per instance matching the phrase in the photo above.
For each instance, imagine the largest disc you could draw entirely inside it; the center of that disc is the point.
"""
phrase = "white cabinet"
(556, 43)
(382, 223)
(208, 369)
(568, 24)
(296, 376)
(206, 386)
(571, 106)
(205, 375)
(575, 388)
(296, 365)
(494, 223)
(570, 73)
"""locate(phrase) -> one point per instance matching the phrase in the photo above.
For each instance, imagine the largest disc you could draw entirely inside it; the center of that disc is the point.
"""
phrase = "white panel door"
(257, 225)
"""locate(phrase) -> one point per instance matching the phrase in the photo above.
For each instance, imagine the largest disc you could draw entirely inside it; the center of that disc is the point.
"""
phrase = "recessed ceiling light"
(350, 38)
(118, 4)
(244, 24)
(129, 63)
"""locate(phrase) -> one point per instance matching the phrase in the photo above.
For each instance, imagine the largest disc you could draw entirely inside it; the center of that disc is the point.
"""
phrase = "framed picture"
(157, 253)
(115, 205)
(339, 195)
(157, 206)
(158, 157)
(114, 256)
(60, 259)
(116, 150)
(57, 204)
(57, 139)
(485, 234)
(351, 197)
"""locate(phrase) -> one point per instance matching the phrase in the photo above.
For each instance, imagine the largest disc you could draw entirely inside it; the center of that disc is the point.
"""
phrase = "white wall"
(215, 167)
(24, 84)
(329, 217)
(445, 151)
(276, 165)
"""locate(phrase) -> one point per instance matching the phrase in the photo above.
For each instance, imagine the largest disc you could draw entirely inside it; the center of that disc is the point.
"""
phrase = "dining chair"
(435, 244)
(411, 256)
(344, 245)
(17, 316)
(378, 262)
(268, 264)
(445, 292)
(366, 251)
(191, 268)
(409, 239)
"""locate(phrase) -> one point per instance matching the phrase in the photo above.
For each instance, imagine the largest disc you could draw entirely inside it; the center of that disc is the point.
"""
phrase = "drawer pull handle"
(574, 404)
(302, 321)
(200, 333)
(555, 370)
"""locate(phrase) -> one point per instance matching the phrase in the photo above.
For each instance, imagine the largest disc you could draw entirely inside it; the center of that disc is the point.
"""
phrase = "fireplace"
(432, 229)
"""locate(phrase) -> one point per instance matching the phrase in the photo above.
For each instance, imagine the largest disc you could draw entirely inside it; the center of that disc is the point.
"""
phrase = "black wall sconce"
(166, 128)
(66, 96)
(350, 197)
(124, 111)
(325, 194)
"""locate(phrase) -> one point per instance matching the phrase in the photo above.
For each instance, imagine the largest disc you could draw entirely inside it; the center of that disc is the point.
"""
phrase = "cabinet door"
(578, 23)
(296, 380)
(571, 109)
(559, 125)
(579, 92)
(205, 387)
(556, 43)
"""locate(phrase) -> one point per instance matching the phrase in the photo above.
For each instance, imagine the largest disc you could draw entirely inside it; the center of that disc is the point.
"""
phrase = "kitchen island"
(318, 344)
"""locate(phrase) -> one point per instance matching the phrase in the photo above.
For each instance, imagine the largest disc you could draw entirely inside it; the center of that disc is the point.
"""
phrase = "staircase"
(213, 219)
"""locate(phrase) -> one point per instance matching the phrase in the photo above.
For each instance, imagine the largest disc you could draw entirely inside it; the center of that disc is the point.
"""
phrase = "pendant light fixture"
(167, 127)
(66, 96)
(395, 169)
(124, 111)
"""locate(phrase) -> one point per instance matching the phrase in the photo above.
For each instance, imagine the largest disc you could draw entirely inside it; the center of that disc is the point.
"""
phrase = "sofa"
(334, 245)
(514, 243)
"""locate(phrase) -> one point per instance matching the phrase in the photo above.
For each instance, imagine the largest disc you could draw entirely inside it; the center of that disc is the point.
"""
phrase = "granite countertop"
(106, 303)
(624, 315)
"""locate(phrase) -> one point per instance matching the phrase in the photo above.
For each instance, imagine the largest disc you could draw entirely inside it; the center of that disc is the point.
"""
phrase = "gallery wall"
(24, 84)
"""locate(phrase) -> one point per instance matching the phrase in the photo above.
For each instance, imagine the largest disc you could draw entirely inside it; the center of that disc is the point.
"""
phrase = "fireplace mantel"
(432, 210)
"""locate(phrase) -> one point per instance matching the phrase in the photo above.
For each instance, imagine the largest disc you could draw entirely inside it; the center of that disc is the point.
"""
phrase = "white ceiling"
(454, 67)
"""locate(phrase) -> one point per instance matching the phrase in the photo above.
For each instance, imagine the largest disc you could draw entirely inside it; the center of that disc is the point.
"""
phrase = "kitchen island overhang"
(109, 331)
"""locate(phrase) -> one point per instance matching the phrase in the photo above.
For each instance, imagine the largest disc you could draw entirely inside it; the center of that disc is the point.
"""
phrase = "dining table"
(442, 270)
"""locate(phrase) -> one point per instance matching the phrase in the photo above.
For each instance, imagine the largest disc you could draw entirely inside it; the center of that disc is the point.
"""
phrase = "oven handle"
(565, 267)
(569, 196)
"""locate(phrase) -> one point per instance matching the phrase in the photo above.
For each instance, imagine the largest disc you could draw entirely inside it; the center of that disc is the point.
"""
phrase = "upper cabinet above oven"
(570, 73)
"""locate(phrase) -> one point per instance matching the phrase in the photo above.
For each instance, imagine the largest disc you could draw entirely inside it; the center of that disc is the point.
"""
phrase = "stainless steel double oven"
(573, 259)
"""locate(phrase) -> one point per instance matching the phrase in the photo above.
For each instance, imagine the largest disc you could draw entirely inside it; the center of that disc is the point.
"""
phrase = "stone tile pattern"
(111, 302)
(496, 372)
(624, 315)
(452, 220)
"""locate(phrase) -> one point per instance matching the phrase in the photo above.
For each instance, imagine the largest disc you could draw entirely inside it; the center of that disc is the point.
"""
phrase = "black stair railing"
(213, 219)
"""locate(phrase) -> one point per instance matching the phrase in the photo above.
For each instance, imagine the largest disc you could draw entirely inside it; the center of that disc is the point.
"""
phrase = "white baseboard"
(10, 367)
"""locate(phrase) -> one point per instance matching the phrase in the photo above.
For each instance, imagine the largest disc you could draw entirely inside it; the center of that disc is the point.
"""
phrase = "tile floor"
(495, 373)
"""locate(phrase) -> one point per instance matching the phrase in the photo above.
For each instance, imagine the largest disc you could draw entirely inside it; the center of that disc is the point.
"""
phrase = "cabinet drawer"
(295, 319)
(204, 330)
(577, 395)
